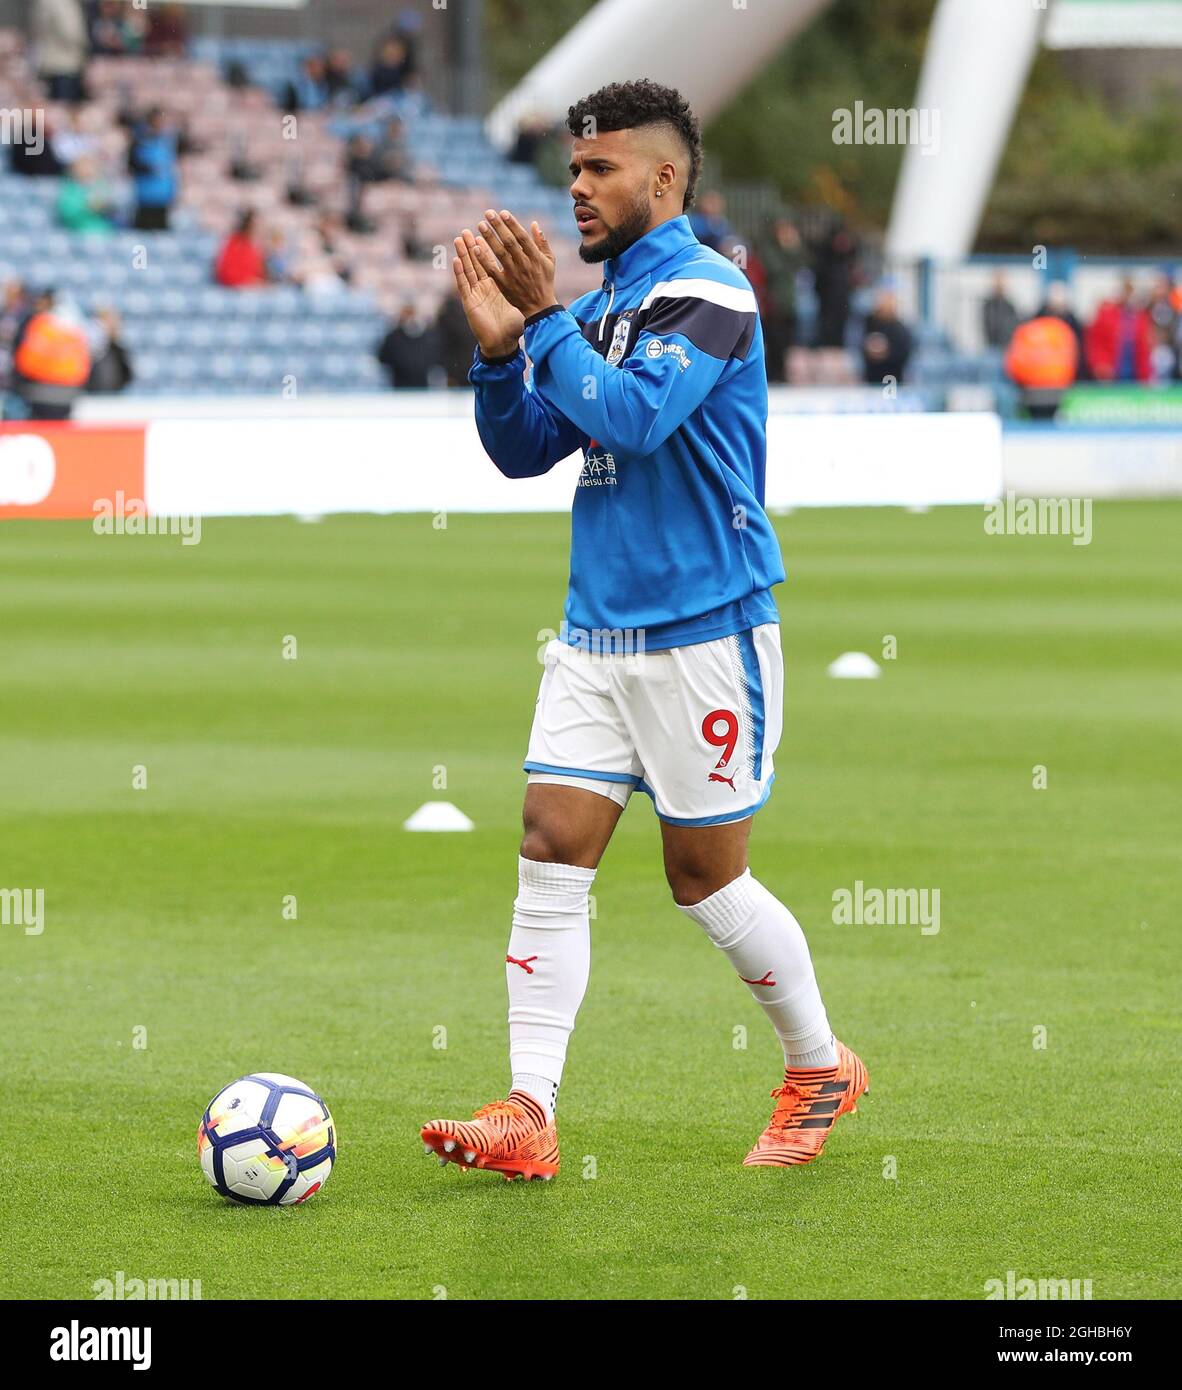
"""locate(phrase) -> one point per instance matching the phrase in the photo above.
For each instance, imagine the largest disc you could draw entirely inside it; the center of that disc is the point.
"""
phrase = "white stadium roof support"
(708, 49)
(978, 58)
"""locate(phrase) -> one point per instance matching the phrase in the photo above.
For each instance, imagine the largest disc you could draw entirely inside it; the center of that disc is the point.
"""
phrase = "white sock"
(767, 948)
(543, 1090)
(546, 968)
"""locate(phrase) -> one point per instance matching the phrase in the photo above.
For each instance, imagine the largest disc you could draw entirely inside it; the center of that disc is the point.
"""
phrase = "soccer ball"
(267, 1138)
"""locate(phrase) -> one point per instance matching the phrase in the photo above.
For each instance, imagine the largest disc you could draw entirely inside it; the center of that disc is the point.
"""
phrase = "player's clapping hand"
(520, 262)
(496, 324)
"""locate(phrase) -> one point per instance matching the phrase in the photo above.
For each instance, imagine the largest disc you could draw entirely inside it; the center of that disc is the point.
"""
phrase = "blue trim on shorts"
(750, 656)
(582, 772)
(709, 820)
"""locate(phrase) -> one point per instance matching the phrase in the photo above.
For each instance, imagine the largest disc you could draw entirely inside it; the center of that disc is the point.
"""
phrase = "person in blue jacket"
(152, 159)
(666, 674)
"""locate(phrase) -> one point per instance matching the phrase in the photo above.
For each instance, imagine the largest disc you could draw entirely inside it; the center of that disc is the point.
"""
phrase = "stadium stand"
(186, 334)
(355, 253)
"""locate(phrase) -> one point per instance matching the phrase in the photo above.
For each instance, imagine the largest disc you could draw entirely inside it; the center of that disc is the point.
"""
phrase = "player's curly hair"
(624, 105)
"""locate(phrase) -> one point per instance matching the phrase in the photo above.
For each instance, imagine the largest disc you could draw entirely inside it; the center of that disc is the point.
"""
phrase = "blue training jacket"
(659, 378)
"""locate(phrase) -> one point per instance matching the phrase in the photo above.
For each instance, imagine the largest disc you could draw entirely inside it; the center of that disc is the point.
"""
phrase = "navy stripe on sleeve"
(717, 318)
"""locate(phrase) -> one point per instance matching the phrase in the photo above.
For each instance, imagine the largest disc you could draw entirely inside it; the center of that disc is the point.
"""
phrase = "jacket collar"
(649, 251)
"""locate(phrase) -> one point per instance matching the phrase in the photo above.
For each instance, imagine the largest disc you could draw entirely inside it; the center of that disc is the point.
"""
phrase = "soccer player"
(668, 675)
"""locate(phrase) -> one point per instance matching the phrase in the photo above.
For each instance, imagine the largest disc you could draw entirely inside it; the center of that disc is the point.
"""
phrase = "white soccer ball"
(267, 1138)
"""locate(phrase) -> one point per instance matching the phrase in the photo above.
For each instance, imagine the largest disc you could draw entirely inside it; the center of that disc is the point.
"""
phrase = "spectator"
(34, 155)
(1160, 306)
(1163, 356)
(366, 162)
(1165, 329)
(152, 158)
(390, 155)
(1057, 305)
(414, 248)
(280, 262)
(339, 80)
(1042, 358)
(328, 232)
(411, 352)
(456, 342)
(532, 134)
(389, 70)
(361, 165)
(999, 318)
(406, 31)
(356, 219)
(1119, 341)
(73, 143)
(168, 32)
(783, 259)
(834, 263)
(242, 169)
(84, 202)
(111, 370)
(15, 307)
(62, 45)
(708, 220)
(51, 360)
(886, 341)
(242, 262)
(745, 257)
(116, 29)
(299, 194)
(309, 91)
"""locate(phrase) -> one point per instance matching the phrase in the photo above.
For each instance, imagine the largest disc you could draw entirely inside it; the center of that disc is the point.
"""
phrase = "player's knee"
(695, 876)
(689, 883)
(546, 844)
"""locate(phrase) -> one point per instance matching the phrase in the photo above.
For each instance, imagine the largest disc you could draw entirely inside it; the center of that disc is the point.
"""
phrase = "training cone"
(438, 815)
(854, 666)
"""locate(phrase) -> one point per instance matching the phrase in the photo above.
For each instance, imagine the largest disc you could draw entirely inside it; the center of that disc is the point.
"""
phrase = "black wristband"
(498, 361)
(543, 313)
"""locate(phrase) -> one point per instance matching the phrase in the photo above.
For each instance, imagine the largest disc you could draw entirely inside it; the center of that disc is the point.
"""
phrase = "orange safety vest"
(1042, 353)
(53, 353)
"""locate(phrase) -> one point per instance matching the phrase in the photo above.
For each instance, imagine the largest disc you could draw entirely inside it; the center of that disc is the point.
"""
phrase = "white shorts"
(694, 727)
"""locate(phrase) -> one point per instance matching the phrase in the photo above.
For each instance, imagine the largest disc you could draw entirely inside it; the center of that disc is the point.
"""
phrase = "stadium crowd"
(827, 320)
(1134, 336)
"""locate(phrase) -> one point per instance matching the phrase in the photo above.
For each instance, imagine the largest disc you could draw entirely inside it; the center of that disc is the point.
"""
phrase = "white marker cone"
(854, 666)
(438, 815)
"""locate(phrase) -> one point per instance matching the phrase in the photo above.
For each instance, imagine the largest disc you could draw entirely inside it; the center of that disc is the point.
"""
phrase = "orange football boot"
(808, 1105)
(511, 1136)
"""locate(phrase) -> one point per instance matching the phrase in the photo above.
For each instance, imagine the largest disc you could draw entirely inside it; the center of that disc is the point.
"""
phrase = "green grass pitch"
(417, 651)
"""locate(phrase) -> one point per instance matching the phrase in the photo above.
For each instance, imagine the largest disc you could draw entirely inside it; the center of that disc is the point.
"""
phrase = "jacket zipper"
(610, 302)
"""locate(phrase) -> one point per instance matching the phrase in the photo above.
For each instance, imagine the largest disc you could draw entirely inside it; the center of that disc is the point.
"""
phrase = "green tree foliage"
(1077, 172)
